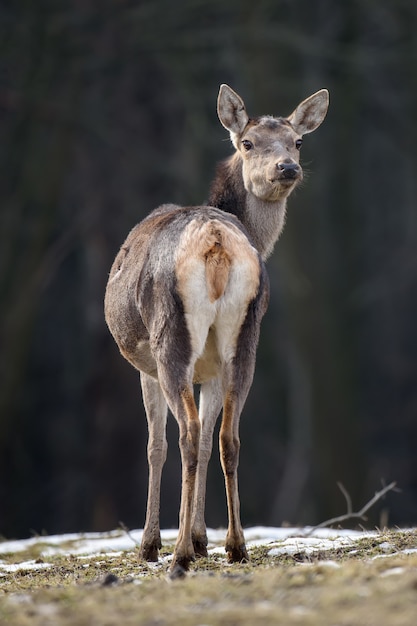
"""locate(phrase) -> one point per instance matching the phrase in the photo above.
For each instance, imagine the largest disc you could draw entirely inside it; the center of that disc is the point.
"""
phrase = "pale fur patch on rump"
(217, 271)
(218, 245)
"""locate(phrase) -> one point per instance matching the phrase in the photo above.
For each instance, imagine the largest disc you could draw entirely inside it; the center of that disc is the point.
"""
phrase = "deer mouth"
(284, 181)
(287, 177)
(287, 181)
(279, 187)
(274, 187)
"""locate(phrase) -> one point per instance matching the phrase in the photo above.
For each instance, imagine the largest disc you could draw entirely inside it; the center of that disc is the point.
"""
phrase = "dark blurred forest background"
(109, 109)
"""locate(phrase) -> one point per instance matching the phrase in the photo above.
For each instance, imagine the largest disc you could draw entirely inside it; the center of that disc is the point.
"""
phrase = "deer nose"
(288, 169)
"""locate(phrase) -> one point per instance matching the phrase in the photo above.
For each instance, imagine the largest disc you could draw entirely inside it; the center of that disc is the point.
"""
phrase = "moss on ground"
(368, 583)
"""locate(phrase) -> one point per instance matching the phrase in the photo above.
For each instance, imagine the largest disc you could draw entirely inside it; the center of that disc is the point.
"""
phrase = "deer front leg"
(209, 409)
(156, 414)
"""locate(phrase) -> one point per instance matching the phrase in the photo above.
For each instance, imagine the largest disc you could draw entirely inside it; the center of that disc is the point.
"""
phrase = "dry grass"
(345, 587)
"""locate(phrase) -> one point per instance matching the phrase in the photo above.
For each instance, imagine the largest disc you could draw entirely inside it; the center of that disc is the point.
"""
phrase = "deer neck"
(263, 220)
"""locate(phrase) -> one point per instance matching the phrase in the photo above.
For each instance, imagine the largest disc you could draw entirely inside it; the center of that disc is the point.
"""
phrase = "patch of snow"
(310, 545)
(386, 546)
(87, 539)
(111, 554)
(112, 544)
(26, 565)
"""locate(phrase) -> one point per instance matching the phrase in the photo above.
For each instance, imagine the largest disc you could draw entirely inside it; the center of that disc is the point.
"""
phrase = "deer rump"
(180, 291)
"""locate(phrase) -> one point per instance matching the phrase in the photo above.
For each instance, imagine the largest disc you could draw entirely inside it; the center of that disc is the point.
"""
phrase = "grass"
(348, 586)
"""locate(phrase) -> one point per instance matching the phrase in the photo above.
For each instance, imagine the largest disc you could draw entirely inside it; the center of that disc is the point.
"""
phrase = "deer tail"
(218, 264)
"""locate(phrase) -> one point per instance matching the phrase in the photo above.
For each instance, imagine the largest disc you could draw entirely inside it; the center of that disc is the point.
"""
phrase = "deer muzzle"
(288, 170)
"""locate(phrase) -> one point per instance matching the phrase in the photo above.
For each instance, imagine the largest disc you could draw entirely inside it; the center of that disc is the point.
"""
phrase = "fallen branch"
(350, 513)
(128, 533)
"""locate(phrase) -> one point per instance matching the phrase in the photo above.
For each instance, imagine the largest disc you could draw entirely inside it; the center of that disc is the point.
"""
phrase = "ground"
(337, 578)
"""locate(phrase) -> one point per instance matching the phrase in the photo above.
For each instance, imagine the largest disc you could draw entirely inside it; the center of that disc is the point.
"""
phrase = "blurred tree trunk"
(36, 150)
(110, 111)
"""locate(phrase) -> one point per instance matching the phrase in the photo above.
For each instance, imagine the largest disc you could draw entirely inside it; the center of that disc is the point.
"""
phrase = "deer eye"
(248, 145)
(298, 143)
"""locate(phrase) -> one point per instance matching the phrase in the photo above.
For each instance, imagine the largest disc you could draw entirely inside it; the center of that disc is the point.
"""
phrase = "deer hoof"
(237, 554)
(149, 553)
(200, 548)
(180, 565)
(177, 572)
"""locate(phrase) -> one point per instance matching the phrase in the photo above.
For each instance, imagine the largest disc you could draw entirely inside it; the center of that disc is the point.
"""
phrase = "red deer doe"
(184, 302)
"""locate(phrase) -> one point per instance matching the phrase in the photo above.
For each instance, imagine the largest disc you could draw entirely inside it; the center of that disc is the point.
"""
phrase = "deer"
(184, 302)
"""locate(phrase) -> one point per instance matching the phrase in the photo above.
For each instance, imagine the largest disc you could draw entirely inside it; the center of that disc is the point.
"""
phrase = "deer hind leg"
(209, 409)
(229, 456)
(156, 414)
(189, 448)
(237, 379)
(180, 398)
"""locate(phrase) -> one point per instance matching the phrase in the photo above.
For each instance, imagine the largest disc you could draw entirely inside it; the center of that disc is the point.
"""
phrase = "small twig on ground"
(347, 497)
(350, 513)
(128, 533)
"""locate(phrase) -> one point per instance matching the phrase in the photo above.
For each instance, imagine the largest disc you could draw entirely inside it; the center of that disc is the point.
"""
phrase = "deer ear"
(231, 110)
(310, 113)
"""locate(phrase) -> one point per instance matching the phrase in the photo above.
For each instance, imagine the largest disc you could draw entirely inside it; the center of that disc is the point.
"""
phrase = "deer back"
(182, 280)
